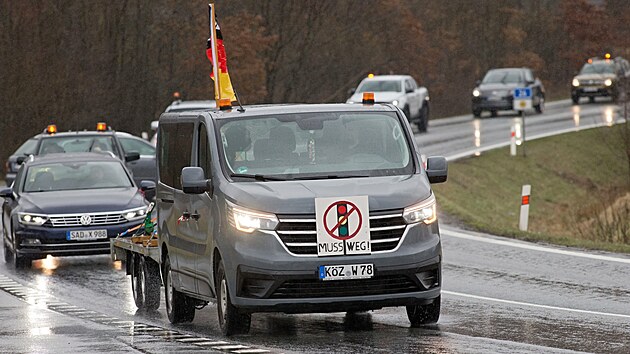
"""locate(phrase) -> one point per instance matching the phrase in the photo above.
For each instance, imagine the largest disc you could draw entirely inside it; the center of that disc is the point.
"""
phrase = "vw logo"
(86, 220)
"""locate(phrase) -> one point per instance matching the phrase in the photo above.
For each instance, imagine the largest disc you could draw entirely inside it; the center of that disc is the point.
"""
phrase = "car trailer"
(138, 249)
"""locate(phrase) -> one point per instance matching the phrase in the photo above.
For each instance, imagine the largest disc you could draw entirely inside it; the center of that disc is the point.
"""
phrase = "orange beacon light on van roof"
(101, 126)
(368, 97)
(225, 104)
(51, 129)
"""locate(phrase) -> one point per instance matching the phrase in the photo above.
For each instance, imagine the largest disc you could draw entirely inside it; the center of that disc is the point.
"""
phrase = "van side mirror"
(7, 193)
(478, 82)
(437, 169)
(194, 181)
(148, 187)
(20, 160)
(132, 156)
(352, 91)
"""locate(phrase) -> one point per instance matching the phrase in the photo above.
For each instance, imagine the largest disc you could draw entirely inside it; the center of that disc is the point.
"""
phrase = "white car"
(399, 90)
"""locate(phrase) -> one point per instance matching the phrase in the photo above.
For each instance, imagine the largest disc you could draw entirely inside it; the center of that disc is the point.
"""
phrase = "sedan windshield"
(380, 86)
(598, 68)
(76, 175)
(61, 144)
(316, 146)
(503, 77)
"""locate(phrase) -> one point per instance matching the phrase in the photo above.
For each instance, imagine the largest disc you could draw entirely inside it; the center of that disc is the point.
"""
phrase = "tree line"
(77, 62)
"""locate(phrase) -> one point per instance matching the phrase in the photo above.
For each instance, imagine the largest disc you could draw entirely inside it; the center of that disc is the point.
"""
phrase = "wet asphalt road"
(497, 296)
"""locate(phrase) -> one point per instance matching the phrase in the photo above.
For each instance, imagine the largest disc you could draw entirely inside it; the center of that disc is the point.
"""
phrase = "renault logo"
(86, 220)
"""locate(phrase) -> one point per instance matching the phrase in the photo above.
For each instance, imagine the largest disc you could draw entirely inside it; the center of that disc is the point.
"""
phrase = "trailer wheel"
(151, 281)
(136, 280)
(179, 307)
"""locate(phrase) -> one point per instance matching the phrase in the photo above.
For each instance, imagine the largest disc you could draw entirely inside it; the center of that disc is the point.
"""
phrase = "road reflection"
(46, 265)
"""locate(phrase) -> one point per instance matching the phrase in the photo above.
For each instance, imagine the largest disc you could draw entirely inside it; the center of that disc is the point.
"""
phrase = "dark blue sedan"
(69, 204)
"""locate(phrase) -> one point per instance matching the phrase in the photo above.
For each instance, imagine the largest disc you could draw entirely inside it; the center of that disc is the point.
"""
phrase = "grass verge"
(575, 178)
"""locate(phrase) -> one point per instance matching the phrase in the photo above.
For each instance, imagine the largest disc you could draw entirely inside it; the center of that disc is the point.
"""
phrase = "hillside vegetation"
(580, 190)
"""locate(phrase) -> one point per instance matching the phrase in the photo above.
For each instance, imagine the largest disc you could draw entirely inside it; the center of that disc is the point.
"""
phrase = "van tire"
(424, 314)
(151, 282)
(231, 320)
(179, 308)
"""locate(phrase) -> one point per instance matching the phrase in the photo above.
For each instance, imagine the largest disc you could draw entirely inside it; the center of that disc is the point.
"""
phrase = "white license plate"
(86, 235)
(590, 89)
(346, 271)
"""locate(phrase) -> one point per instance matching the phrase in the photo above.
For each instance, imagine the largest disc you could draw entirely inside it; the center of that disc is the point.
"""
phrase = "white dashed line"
(484, 298)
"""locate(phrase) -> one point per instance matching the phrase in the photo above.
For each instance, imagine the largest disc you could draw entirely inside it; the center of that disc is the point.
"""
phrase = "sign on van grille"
(298, 232)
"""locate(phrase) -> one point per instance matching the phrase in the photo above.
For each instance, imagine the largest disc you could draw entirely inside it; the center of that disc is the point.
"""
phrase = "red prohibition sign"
(353, 208)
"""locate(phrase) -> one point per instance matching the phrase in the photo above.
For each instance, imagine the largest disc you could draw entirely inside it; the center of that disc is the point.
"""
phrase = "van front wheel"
(231, 320)
(179, 308)
(424, 314)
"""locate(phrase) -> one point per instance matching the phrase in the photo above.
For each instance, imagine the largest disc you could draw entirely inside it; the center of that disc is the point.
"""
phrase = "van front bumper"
(266, 278)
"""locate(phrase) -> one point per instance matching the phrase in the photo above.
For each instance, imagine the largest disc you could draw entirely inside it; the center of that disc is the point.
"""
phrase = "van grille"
(299, 235)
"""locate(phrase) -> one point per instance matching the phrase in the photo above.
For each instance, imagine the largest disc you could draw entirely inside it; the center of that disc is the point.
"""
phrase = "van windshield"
(315, 146)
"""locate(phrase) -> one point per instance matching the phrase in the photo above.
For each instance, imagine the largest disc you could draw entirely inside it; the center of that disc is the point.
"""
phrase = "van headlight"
(32, 219)
(395, 102)
(608, 82)
(135, 213)
(249, 220)
(575, 82)
(424, 211)
(476, 93)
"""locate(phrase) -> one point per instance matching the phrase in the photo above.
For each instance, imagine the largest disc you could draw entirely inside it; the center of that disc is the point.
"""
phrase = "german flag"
(225, 85)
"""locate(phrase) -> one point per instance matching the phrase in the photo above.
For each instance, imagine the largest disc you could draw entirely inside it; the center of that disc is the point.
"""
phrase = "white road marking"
(534, 305)
(532, 247)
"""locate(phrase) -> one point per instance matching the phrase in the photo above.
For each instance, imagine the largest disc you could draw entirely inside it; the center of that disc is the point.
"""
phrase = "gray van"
(296, 209)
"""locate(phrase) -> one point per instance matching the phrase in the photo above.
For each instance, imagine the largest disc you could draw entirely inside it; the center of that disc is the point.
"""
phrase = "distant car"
(401, 91)
(600, 78)
(138, 154)
(69, 204)
(495, 92)
(182, 106)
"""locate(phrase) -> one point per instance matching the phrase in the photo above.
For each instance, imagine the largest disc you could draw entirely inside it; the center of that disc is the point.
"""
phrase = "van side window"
(175, 151)
(203, 151)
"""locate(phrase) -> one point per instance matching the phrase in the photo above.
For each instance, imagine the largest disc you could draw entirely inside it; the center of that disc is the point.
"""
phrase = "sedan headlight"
(32, 219)
(476, 93)
(249, 220)
(424, 211)
(575, 82)
(608, 82)
(135, 214)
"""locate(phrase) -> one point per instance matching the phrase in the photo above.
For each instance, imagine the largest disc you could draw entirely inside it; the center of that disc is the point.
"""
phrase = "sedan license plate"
(346, 271)
(86, 235)
(590, 89)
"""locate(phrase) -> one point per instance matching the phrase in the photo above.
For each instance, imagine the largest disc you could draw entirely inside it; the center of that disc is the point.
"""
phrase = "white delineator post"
(522, 224)
(513, 141)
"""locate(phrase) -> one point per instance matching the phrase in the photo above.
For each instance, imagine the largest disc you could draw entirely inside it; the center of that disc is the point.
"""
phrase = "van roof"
(256, 110)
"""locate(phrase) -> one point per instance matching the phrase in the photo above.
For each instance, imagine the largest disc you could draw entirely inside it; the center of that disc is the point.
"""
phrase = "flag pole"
(215, 61)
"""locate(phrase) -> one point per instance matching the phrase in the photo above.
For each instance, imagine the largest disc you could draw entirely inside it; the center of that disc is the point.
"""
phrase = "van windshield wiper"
(331, 177)
(258, 177)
